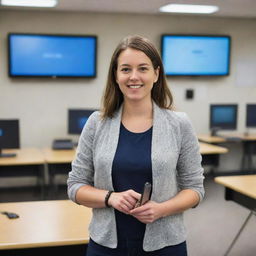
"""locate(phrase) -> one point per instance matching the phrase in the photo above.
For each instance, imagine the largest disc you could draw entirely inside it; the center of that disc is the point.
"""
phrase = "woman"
(137, 138)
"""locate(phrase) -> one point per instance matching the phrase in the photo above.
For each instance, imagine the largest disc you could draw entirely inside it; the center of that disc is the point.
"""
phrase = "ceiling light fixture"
(189, 8)
(30, 3)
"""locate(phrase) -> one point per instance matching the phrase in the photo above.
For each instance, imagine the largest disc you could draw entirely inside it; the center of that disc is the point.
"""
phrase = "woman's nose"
(134, 75)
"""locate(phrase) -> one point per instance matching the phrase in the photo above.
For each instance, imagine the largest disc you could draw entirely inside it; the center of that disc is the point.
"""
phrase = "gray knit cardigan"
(176, 165)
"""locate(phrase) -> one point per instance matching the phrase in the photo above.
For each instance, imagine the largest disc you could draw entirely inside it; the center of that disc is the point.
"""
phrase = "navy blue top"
(131, 169)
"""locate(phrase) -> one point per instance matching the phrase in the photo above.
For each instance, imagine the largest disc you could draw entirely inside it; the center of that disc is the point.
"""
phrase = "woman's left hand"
(147, 213)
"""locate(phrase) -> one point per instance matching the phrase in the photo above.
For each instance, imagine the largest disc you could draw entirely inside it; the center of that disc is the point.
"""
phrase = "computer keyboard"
(62, 144)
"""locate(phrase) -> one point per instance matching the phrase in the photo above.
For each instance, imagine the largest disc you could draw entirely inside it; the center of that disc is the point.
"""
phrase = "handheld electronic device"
(145, 195)
(11, 215)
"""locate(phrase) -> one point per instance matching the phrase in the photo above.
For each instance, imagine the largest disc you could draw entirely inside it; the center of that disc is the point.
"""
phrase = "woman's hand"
(147, 213)
(151, 211)
(124, 201)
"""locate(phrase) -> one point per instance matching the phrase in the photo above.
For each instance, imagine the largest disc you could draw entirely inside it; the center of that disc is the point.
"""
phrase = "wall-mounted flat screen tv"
(196, 55)
(41, 55)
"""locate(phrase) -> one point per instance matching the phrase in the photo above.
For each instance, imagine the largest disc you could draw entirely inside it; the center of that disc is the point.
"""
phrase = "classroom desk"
(59, 162)
(211, 139)
(52, 156)
(248, 142)
(208, 149)
(66, 156)
(27, 162)
(210, 155)
(43, 224)
(25, 156)
(30, 161)
(242, 190)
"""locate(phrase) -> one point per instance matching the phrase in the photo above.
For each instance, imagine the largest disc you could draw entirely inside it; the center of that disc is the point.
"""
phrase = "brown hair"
(113, 97)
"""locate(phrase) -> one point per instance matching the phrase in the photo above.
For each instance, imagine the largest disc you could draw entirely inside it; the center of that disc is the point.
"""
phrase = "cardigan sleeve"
(189, 168)
(82, 172)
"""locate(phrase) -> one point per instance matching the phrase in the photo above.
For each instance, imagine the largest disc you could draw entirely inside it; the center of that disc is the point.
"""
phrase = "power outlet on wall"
(189, 94)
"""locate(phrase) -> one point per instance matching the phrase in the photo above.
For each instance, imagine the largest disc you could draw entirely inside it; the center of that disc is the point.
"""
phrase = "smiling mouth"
(135, 86)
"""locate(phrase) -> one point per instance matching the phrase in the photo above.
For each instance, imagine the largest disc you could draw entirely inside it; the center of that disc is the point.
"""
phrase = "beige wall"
(41, 104)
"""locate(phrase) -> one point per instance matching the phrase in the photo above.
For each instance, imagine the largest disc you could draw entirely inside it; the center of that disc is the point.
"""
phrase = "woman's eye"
(143, 68)
(125, 69)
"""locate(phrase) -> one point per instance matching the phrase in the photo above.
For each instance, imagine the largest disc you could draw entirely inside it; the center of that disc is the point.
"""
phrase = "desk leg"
(247, 156)
(42, 181)
(250, 155)
(239, 233)
(52, 191)
(212, 160)
(53, 170)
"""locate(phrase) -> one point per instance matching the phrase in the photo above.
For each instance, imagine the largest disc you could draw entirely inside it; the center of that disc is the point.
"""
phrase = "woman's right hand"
(124, 201)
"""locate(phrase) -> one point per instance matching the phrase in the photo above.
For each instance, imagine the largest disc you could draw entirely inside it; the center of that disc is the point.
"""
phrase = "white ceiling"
(228, 8)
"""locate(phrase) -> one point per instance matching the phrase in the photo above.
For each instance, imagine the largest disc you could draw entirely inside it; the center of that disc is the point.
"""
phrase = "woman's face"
(135, 75)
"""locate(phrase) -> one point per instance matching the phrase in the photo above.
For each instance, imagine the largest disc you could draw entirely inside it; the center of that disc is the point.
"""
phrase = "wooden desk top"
(58, 156)
(249, 137)
(245, 184)
(207, 149)
(30, 156)
(218, 139)
(44, 223)
(25, 156)
(66, 156)
(211, 139)
(243, 137)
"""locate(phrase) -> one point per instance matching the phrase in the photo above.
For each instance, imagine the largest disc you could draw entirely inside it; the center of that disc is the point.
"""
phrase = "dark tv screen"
(40, 55)
(196, 55)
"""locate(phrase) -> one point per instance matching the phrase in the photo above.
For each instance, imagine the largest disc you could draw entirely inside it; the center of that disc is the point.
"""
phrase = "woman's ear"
(156, 74)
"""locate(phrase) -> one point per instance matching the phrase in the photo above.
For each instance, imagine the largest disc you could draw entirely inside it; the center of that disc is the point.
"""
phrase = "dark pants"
(134, 248)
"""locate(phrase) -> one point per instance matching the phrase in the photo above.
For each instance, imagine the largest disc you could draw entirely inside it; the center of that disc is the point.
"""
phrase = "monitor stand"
(2, 155)
(246, 133)
(214, 131)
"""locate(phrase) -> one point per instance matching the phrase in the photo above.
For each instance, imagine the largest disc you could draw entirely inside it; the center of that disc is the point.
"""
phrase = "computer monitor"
(9, 136)
(250, 115)
(223, 117)
(77, 119)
